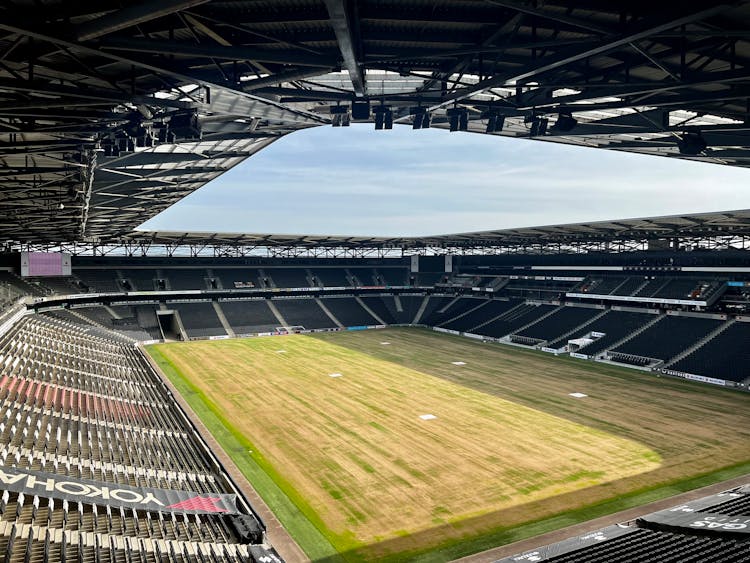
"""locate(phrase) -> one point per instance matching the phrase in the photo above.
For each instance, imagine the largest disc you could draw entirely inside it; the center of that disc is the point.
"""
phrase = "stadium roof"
(110, 114)
(681, 227)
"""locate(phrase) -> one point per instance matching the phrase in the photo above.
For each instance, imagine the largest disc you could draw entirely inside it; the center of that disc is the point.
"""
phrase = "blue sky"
(358, 181)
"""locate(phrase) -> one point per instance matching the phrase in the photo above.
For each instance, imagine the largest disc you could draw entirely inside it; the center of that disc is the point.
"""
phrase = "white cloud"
(404, 182)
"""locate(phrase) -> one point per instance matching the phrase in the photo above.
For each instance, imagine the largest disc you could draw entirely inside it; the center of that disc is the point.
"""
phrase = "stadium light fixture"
(383, 117)
(565, 122)
(421, 118)
(691, 143)
(458, 119)
(538, 125)
(339, 115)
(495, 123)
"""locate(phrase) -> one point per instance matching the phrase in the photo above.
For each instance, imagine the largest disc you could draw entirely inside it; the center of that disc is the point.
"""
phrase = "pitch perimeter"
(434, 439)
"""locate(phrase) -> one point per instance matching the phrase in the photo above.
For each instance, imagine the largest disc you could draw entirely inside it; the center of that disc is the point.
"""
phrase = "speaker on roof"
(360, 111)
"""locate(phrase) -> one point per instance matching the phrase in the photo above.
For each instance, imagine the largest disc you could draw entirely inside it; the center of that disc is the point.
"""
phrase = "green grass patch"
(292, 511)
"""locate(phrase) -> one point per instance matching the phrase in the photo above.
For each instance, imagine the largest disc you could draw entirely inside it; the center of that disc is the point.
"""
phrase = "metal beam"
(231, 53)
(132, 15)
(347, 37)
(547, 64)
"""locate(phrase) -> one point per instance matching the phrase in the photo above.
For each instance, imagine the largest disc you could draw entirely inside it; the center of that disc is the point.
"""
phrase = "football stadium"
(575, 392)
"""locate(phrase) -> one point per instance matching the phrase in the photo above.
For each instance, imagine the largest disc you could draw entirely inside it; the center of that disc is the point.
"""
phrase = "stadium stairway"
(223, 319)
(327, 311)
(561, 338)
(276, 313)
(702, 342)
(421, 310)
(532, 323)
(369, 310)
(482, 303)
(506, 315)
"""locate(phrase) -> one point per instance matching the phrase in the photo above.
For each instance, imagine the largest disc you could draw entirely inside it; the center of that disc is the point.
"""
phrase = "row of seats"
(149, 279)
(81, 402)
(628, 336)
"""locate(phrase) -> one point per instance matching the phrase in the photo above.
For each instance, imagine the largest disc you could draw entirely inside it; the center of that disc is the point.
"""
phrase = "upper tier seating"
(629, 286)
(238, 278)
(99, 281)
(288, 277)
(725, 356)
(384, 276)
(331, 277)
(677, 289)
(187, 279)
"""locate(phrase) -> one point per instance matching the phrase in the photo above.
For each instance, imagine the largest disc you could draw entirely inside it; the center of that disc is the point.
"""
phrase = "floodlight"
(691, 143)
(565, 122)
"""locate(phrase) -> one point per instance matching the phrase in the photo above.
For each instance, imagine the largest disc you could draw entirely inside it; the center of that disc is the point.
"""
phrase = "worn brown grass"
(509, 445)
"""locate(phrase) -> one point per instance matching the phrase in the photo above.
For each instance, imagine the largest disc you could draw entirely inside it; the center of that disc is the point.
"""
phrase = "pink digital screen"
(45, 264)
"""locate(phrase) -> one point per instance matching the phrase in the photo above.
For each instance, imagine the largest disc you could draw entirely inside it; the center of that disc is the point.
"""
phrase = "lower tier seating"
(726, 356)
(249, 316)
(81, 403)
(348, 311)
(668, 337)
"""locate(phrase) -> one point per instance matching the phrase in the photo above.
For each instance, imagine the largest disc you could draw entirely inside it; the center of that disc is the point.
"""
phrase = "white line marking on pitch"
(281, 351)
(334, 375)
(427, 416)
(578, 395)
(459, 363)
(385, 343)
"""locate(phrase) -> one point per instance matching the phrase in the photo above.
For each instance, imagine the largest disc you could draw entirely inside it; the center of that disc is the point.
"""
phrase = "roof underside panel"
(110, 114)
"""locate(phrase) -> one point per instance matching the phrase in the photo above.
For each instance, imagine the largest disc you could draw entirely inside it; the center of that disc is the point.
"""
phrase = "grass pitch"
(509, 445)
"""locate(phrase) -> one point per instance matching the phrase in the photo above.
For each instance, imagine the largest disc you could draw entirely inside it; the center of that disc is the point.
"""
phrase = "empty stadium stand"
(249, 316)
(562, 321)
(665, 339)
(726, 356)
(615, 326)
(303, 312)
(330, 277)
(81, 407)
(348, 311)
(484, 312)
(708, 530)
